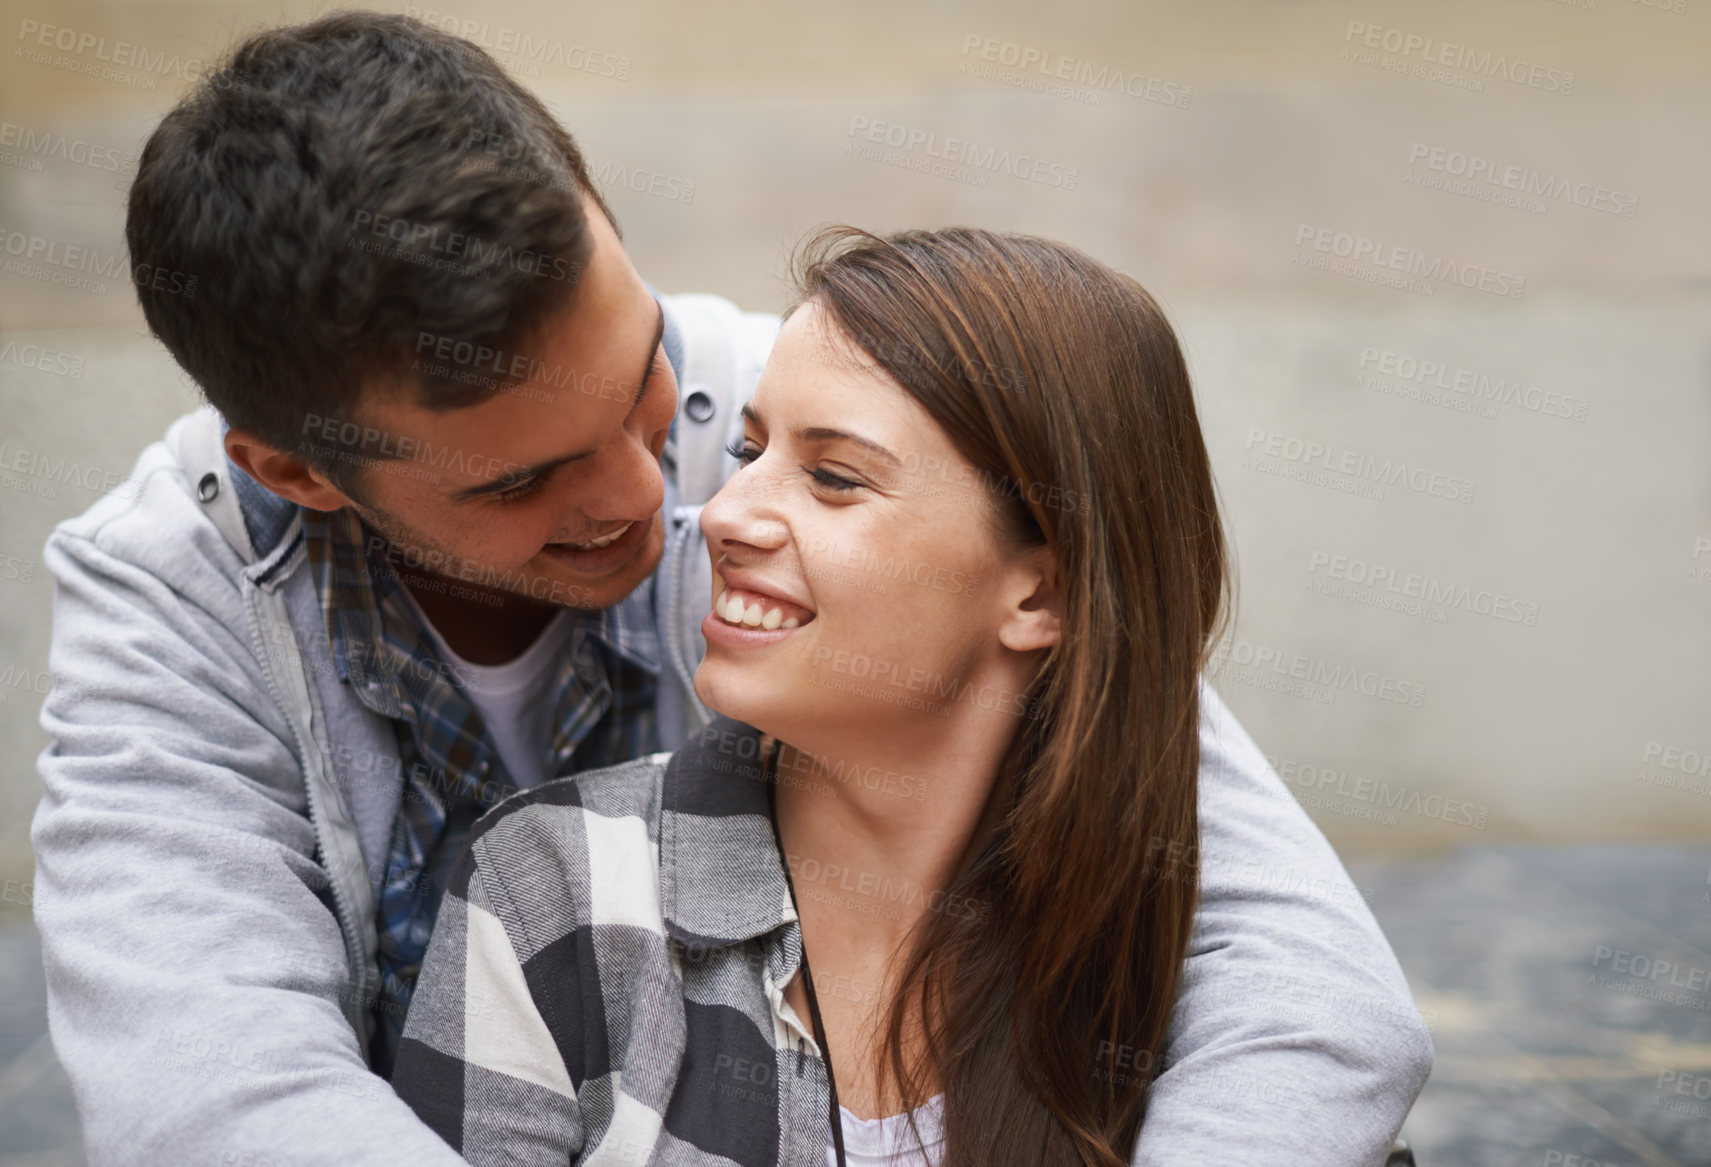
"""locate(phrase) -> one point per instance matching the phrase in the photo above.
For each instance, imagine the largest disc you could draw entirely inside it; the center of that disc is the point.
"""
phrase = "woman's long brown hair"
(1043, 1015)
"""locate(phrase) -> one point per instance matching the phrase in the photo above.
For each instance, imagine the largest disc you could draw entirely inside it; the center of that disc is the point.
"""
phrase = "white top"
(886, 1142)
(515, 699)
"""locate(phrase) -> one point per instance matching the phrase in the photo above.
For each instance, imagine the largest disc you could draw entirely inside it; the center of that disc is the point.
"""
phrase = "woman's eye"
(746, 452)
(828, 479)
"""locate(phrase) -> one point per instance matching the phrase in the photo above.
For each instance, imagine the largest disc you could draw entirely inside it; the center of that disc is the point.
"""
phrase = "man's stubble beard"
(412, 545)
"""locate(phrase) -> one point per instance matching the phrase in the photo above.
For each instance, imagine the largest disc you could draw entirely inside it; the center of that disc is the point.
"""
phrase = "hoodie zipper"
(298, 714)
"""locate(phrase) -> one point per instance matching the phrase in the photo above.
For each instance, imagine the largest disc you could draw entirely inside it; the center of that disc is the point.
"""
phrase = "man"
(438, 543)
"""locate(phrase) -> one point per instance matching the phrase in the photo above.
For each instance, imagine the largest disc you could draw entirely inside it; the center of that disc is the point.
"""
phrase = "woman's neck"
(885, 831)
(874, 841)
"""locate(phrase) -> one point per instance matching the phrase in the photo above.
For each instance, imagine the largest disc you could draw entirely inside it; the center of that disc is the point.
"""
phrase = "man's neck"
(478, 629)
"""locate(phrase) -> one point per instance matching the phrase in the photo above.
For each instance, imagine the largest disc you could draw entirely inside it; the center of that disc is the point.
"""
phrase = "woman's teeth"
(604, 541)
(751, 611)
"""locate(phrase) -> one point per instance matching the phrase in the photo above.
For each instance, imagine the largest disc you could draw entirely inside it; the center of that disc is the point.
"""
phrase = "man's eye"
(523, 490)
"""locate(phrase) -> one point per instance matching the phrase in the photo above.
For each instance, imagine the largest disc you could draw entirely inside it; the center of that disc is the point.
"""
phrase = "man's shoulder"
(716, 348)
(710, 315)
(154, 522)
(717, 351)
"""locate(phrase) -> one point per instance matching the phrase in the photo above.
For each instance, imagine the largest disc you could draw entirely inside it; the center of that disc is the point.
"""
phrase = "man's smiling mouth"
(605, 553)
(605, 540)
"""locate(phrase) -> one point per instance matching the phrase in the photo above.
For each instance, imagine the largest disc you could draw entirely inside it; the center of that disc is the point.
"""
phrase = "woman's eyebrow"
(821, 433)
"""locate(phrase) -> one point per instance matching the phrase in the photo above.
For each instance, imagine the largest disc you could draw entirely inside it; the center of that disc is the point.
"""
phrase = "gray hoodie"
(217, 808)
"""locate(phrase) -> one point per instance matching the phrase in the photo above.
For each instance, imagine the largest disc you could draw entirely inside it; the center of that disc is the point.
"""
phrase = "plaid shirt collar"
(380, 646)
(724, 883)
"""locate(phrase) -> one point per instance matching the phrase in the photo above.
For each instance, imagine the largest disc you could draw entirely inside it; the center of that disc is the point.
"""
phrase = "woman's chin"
(735, 697)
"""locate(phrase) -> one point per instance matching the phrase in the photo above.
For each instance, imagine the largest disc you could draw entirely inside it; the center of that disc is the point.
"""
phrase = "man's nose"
(627, 487)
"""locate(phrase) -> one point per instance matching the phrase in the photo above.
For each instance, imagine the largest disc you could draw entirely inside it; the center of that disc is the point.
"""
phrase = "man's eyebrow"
(513, 479)
(821, 433)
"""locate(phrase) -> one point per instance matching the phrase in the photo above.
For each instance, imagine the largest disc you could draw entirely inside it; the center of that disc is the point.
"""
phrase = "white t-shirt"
(515, 699)
(886, 1142)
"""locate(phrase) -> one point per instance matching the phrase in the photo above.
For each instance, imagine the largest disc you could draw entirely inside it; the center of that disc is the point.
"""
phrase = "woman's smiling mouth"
(752, 614)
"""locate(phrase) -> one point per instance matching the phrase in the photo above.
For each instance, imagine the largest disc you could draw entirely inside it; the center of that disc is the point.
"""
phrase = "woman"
(944, 829)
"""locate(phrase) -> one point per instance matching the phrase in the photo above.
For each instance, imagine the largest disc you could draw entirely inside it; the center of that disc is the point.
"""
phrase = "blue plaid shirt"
(605, 714)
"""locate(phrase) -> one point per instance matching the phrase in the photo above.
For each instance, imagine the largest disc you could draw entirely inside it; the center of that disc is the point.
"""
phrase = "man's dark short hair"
(354, 196)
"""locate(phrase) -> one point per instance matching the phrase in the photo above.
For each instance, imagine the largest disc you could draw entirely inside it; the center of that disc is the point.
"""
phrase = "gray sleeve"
(196, 972)
(1295, 1040)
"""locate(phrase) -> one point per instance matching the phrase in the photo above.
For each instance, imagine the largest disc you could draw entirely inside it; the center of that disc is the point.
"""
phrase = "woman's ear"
(1032, 617)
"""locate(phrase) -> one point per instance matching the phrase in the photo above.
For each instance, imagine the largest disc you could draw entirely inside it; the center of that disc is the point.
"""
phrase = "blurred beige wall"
(1507, 636)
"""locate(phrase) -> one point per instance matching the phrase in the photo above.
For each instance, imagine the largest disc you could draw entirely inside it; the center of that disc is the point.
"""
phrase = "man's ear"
(1032, 617)
(284, 474)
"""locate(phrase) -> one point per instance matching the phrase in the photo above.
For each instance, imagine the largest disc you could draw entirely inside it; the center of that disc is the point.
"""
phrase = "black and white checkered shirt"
(606, 981)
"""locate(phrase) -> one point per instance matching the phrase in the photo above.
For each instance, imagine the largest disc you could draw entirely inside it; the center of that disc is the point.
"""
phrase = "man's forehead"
(572, 393)
(556, 386)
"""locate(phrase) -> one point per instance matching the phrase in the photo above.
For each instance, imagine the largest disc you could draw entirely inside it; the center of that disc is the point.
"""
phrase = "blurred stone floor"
(1550, 1049)
(1548, 1046)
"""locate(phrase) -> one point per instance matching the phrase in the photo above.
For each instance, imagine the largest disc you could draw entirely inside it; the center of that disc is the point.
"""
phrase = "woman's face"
(859, 582)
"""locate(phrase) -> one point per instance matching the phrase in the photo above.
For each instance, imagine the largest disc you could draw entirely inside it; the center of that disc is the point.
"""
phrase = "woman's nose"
(745, 511)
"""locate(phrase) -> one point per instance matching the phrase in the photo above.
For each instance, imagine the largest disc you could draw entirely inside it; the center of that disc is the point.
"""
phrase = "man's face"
(551, 488)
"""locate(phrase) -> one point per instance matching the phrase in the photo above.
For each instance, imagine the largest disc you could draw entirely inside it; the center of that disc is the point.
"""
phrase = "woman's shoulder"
(548, 828)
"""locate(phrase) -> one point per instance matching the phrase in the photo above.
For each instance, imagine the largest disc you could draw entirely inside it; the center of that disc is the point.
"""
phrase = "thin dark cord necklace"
(807, 976)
